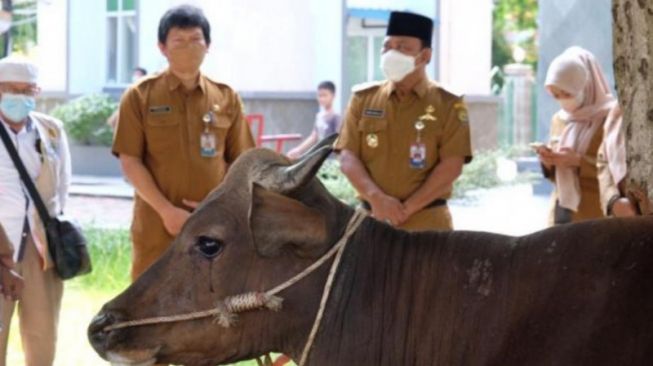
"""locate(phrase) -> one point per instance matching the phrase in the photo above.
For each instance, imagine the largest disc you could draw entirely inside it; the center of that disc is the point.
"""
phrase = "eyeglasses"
(30, 90)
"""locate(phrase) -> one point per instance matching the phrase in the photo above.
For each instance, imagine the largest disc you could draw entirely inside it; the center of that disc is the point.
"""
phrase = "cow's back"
(583, 296)
(580, 295)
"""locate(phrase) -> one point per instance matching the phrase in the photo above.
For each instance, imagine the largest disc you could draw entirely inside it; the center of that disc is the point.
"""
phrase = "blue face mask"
(16, 107)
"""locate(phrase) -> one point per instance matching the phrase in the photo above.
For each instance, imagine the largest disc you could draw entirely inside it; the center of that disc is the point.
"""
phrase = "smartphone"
(536, 145)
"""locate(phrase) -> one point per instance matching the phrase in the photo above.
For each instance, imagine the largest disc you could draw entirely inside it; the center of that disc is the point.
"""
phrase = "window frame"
(120, 15)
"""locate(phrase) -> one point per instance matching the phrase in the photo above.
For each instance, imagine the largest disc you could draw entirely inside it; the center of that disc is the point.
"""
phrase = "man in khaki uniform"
(404, 140)
(177, 133)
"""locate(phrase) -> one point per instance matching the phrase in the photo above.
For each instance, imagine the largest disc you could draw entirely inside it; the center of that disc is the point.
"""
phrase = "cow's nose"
(97, 336)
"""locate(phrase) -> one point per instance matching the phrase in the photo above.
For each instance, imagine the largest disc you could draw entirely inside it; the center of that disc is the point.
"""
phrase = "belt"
(436, 203)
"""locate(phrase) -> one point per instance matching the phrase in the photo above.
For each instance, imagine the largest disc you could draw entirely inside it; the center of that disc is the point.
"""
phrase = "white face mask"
(396, 66)
(571, 105)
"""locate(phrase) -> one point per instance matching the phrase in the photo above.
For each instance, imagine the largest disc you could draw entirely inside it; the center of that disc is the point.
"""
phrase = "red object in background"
(257, 126)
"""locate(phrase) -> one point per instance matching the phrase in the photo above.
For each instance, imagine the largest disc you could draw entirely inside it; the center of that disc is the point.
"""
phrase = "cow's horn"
(298, 174)
(327, 141)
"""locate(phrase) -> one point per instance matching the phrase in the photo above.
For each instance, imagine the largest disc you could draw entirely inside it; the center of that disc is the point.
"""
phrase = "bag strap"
(24, 176)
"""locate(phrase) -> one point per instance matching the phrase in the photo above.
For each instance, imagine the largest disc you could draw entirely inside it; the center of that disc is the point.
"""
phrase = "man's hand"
(623, 207)
(388, 209)
(294, 154)
(11, 284)
(173, 219)
(192, 204)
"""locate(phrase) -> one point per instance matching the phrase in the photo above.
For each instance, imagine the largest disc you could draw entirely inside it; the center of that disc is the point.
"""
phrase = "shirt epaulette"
(147, 78)
(366, 86)
(449, 94)
(222, 86)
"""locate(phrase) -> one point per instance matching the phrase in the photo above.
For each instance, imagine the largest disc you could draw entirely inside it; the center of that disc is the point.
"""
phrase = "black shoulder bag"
(66, 244)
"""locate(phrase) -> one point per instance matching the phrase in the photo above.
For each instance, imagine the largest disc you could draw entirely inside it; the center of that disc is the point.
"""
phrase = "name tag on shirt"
(160, 109)
(374, 113)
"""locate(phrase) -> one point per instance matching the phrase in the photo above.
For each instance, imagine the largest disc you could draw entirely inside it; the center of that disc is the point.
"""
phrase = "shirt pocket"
(221, 129)
(374, 138)
(432, 137)
(162, 133)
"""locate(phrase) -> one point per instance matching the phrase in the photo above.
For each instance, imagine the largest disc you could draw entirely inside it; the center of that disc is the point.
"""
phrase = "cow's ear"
(277, 221)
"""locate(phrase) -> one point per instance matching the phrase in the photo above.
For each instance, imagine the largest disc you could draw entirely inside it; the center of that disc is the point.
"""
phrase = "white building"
(273, 52)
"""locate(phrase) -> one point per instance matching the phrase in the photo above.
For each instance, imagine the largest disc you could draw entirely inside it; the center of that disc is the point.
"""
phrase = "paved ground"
(512, 209)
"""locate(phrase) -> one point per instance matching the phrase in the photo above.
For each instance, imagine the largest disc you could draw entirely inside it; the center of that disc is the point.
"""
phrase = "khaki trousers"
(38, 311)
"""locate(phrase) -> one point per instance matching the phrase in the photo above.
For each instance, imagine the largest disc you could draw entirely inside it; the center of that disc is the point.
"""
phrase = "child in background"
(327, 122)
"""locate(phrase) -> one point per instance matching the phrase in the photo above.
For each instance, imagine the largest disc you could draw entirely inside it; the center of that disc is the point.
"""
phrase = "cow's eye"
(208, 247)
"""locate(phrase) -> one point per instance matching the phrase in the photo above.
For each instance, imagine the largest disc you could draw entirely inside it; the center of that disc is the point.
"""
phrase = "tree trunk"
(633, 58)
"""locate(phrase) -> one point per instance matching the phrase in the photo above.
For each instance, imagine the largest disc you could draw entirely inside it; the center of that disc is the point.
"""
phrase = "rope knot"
(232, 305)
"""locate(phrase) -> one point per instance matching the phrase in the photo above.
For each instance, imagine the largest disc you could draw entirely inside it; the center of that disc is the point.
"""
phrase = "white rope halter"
(226, 310)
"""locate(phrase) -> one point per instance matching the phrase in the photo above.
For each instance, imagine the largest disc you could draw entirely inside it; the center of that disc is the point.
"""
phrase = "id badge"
(207, 145)
(417, 155)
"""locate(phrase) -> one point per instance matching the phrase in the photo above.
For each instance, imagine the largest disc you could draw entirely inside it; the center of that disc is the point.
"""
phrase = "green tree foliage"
(514, 24)
(513, 15)
(23, 28)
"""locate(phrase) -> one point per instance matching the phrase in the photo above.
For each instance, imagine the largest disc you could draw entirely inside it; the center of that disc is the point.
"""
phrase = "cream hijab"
(615, 145)
(577, 72)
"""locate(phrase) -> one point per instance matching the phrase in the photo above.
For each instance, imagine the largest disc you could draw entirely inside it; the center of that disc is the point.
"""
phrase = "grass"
(110, 251)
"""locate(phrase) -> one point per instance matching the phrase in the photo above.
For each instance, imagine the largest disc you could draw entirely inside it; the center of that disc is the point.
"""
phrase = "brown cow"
(571, 295)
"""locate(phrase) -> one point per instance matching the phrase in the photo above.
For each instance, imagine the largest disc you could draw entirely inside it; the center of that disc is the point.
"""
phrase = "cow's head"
(268, 221)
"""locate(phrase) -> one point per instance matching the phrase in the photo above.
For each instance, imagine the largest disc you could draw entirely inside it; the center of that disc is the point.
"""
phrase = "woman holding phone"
(576, 81)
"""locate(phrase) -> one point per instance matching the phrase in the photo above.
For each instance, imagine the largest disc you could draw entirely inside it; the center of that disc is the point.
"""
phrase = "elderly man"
(404, 140)
(177, 133)
(43, 148)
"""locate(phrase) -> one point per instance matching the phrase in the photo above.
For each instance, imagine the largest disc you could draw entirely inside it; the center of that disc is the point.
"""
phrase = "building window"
(363, 50)
(121, 40)
(364, 59)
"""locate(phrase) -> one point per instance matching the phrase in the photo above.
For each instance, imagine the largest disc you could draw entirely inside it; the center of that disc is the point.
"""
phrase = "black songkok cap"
(412, 25)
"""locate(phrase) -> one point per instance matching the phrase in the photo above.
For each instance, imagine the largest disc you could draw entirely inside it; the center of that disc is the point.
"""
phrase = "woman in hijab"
(576, 81)
(616, 200)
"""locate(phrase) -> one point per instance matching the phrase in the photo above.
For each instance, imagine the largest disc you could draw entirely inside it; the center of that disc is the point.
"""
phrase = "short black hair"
(328, 85)
(184, 17)
(141, 70)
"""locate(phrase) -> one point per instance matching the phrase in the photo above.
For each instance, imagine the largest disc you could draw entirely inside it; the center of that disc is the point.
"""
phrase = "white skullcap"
(18, 69)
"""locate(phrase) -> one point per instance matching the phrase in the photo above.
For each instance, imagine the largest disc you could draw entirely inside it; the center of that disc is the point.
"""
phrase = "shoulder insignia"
(461, 111)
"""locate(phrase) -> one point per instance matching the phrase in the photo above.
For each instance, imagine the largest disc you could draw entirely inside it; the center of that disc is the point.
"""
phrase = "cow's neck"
(375, 306)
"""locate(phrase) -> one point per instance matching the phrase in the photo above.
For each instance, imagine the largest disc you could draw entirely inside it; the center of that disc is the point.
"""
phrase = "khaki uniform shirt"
(162, 124)
(379, 130)
(590, 202)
